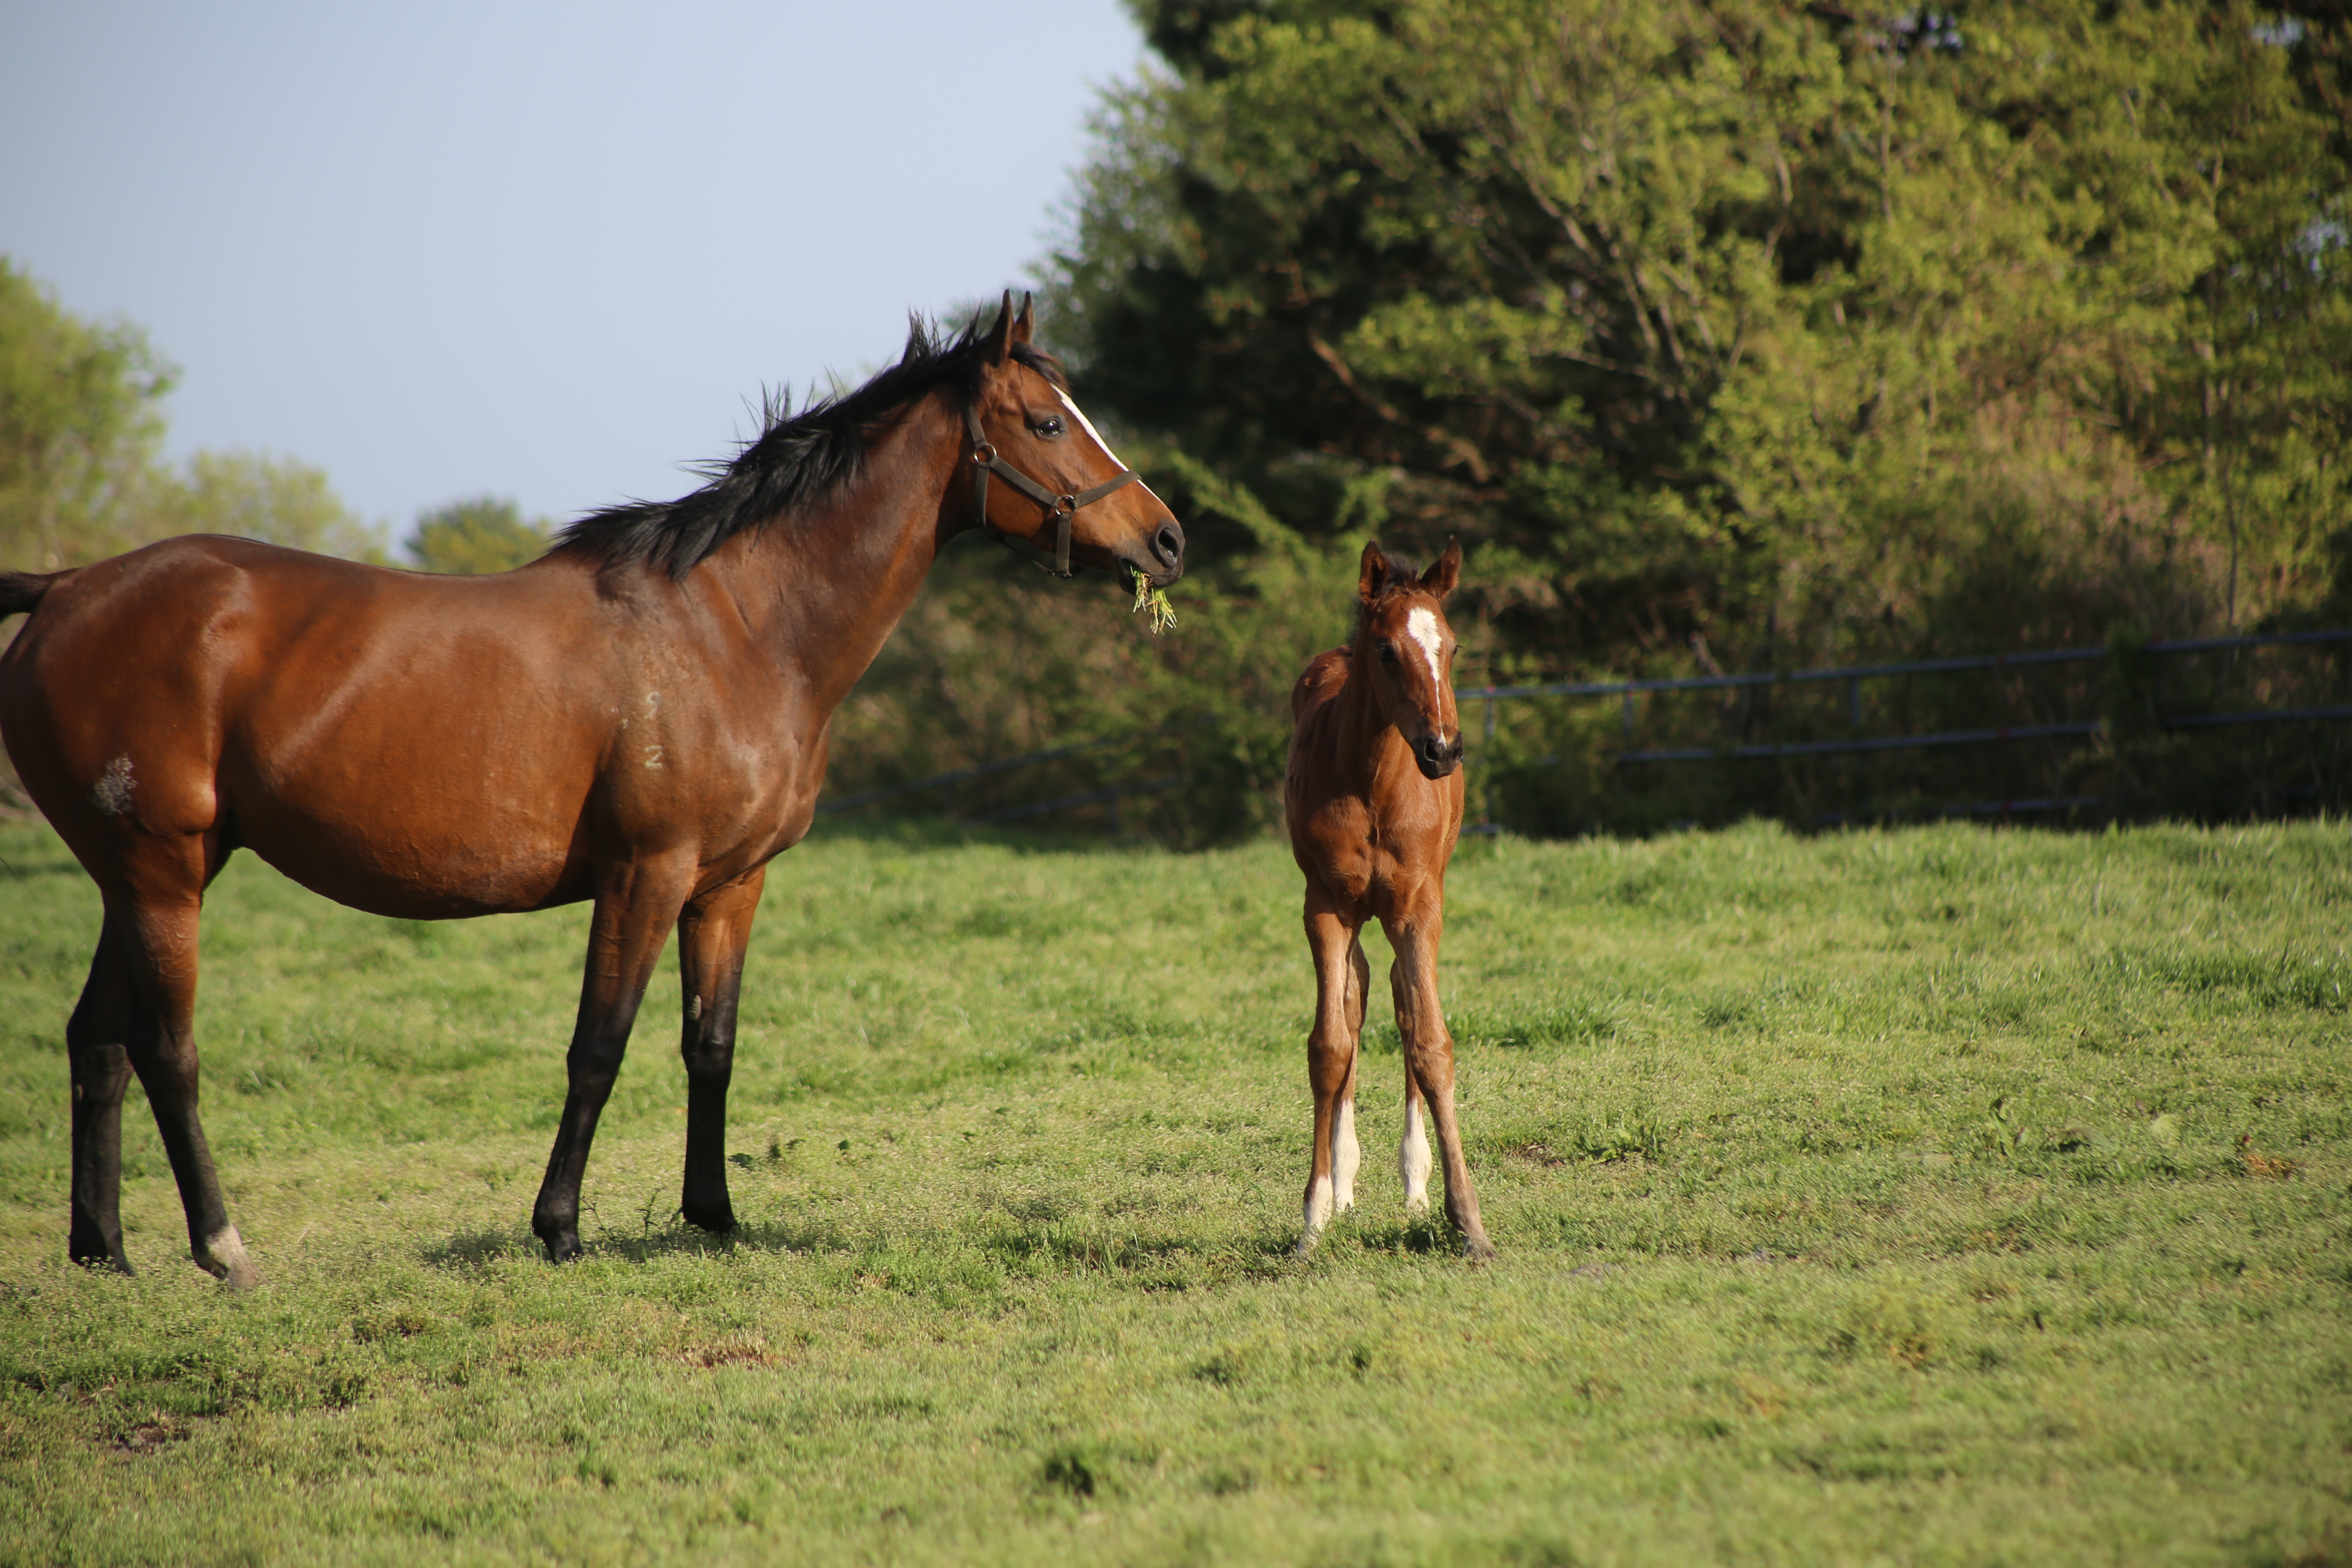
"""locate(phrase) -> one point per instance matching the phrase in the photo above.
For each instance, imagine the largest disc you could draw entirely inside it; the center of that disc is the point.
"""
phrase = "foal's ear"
(1375, 572)
(1443, 572)
(1024, 324)
(999, 341)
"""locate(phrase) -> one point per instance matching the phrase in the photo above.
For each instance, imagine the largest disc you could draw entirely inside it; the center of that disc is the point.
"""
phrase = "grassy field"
(1929, 1196)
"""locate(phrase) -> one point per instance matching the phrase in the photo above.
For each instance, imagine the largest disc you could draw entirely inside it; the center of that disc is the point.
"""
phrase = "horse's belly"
(417, 859)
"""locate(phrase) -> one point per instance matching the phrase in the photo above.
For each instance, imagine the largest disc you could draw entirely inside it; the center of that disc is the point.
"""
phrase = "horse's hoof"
(222, 1254)
(718, 1221)
(99, 1261)
(1305, 1247)
(1478, 1249)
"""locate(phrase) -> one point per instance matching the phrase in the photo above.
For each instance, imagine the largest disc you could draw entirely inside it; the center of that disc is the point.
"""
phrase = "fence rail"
(1628, 690)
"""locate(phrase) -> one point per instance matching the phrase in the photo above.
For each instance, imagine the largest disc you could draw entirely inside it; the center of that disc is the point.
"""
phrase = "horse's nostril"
(1168, 544)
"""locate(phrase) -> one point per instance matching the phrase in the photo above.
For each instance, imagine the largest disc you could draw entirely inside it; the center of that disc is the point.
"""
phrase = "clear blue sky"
(544, 251)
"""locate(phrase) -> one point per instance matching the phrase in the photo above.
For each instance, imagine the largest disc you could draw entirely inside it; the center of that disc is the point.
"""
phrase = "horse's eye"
(1050, 426)
(1388, 653)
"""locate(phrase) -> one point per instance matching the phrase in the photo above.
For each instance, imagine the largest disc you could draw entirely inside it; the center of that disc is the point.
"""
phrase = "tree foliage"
(484, 534)
(1800, 333)
(81, 425)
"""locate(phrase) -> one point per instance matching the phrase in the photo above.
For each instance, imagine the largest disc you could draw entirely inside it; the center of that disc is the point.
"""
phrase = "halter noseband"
(1059, 509)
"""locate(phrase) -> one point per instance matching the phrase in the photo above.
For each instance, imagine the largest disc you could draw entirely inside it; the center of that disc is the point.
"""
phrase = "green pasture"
(1934, 1196)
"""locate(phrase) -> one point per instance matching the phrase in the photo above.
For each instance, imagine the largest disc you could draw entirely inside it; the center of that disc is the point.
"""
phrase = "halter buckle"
(983, 453)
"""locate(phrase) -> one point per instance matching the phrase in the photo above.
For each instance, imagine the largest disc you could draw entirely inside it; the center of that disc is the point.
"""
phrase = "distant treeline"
(81, 477)
(1725, 336)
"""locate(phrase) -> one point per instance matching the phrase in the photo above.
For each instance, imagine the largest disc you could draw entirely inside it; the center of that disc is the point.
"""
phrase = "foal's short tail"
(20, 592)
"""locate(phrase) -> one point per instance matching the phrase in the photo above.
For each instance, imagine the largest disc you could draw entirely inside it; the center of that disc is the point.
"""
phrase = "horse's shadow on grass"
(486, 1244)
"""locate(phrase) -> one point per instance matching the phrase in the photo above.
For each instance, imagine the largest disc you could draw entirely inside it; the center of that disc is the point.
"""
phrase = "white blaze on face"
(1087, 425)
(1422, 627)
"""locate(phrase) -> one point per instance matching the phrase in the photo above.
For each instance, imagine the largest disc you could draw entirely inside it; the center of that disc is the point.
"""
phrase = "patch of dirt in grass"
(732, 1349)
(2262, 1166)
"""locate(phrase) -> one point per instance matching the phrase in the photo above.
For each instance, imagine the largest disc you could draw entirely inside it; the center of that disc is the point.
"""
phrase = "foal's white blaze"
(1345, 1157)
(1412, 1161)
(1422, 627)
(1087, 425)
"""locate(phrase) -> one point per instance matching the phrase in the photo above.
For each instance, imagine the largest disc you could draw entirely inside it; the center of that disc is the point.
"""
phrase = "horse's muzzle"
(1435, 760)
(1167, 550)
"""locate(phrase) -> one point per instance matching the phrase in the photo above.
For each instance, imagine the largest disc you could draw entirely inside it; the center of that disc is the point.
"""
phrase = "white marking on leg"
(1318, 1212)
(1414, 1162)
(1346, 1156)
(223, 1255)
(111, 793)
(1422, 627)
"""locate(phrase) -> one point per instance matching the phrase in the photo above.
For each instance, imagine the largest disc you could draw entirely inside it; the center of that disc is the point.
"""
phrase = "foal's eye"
(1049, 425)
(1388, 653)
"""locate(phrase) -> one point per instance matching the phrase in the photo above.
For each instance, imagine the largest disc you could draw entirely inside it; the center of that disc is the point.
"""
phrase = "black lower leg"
(100, 1074)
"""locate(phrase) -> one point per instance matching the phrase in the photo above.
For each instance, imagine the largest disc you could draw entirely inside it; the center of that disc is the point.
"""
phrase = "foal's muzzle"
(1435, 759)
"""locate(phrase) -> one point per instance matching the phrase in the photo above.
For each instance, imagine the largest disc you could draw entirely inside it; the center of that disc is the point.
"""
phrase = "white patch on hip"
(1412, 1161)
(111, 793)
(1346, 1156)
(1422, 627)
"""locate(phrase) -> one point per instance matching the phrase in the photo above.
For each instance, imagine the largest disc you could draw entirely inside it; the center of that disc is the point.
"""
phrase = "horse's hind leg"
(712, 933)
(159, 948)
(634, 912)
(1346, 1154)
(101, 1067)
(1413, 1164)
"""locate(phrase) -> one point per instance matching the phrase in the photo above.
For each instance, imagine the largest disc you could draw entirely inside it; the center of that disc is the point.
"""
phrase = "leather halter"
(1059, 509)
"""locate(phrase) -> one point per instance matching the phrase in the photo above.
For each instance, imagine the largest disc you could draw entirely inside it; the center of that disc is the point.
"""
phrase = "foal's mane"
(798, 456)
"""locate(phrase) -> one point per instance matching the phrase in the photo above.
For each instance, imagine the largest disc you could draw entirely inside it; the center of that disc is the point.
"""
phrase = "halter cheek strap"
(1059, 509)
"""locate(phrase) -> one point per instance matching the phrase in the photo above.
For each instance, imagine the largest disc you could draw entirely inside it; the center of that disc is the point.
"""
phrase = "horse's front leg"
(1330, 1058)
(635, 908)
(711, 935)
(1429, 1057)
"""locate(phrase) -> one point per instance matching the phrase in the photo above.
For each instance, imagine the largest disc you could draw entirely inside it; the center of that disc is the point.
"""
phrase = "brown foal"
(1373, 801)
(639, 718)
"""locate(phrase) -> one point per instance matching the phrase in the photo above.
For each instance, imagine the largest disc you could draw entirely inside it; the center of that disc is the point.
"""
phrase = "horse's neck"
(823, 590)
(1365, 736)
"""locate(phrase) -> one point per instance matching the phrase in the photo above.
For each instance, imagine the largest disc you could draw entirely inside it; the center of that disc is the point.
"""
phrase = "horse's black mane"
(797, 458)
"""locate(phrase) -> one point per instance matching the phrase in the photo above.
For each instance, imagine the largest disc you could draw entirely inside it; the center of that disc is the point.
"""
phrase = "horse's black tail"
(20, 592)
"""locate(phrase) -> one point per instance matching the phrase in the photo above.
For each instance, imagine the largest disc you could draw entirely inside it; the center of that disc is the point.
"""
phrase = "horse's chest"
(1356, 862)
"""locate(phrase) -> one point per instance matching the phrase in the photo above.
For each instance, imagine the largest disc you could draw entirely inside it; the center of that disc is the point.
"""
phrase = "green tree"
(485, 534)
(79, 423)
(1806, 332)
(275, 499)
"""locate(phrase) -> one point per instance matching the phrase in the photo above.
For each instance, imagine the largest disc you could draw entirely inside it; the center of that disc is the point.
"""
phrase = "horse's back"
(345, 716)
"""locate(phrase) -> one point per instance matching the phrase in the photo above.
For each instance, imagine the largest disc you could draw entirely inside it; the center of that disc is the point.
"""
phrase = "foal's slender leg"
(712, 932)
(1346, 1154)
(635, 910)
(1412, 1150)
(1429, 1057)
(1330, 1053)
(101, 1067)
(159, 947)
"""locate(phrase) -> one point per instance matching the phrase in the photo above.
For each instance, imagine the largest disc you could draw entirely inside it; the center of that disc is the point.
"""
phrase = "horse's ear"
(1374, 574)
(1000, 336)
(1443, 572)
(1024, 324)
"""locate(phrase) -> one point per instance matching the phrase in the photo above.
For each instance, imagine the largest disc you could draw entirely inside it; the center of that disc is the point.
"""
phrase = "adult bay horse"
(1373, 801)
(638, 718)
